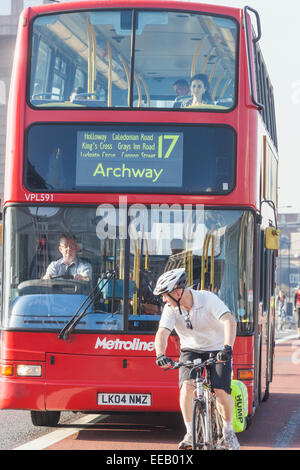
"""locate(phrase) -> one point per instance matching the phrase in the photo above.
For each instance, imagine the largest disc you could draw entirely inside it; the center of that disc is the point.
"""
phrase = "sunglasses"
(188, 322)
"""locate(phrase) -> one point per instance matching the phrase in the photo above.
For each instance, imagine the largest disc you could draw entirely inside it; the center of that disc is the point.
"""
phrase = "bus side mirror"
(272, 237)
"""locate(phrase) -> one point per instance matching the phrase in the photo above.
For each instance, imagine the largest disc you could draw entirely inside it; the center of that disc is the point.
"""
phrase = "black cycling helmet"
(171, 280)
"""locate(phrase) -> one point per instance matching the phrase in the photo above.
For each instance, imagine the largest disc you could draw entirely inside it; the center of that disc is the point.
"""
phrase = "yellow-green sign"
(116, 158)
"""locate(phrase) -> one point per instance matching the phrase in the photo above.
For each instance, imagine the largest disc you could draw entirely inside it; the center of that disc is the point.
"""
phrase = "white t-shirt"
(208, 331)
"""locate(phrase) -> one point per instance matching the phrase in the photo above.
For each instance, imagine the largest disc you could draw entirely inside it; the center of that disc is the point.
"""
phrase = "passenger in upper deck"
(182, 90)
(199, 88)
(77, 94)
(69, 266)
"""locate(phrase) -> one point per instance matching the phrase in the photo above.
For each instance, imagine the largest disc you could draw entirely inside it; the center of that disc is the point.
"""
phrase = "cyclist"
(282, 308)
(297, 307)
(204, 325)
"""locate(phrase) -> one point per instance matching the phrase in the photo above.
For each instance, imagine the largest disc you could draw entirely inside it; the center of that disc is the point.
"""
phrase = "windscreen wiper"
(94, 294)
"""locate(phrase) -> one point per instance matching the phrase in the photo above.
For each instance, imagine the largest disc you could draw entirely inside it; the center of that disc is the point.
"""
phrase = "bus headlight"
(26, 370)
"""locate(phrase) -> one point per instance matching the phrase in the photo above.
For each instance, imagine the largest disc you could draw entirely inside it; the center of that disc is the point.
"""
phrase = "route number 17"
(161, 139)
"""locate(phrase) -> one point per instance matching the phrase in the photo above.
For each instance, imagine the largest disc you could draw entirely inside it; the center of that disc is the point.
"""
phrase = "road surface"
(276, 425)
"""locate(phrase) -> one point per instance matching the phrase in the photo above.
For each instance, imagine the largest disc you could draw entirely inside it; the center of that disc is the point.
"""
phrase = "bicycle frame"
(203, 392)
(206, 402)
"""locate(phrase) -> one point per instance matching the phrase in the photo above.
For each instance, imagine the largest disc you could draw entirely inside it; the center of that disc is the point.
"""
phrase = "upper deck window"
(152, 68)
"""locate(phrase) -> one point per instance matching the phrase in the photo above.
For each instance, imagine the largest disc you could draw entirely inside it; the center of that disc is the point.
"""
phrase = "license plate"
(124, 399)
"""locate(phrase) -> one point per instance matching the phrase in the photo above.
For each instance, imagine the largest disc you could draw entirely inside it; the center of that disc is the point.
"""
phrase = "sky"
(280, 44)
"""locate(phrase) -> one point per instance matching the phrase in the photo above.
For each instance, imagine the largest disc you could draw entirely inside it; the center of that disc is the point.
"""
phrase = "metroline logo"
(135, 345)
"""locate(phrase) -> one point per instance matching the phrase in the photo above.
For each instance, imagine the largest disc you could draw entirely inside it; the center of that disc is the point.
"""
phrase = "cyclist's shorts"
(220, 373)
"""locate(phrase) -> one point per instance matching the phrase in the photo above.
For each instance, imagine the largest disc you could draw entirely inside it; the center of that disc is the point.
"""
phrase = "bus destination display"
(116, 158)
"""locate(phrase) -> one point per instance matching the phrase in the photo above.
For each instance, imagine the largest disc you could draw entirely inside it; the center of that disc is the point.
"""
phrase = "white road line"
(56, 436)
(287, 436)
(286, 338)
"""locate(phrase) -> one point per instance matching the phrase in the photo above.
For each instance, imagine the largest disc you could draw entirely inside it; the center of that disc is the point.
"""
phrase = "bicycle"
(207, 422)
(285, 321)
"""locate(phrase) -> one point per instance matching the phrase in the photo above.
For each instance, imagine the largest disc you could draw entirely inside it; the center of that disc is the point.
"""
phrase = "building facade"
(9, 18)
(288, 261)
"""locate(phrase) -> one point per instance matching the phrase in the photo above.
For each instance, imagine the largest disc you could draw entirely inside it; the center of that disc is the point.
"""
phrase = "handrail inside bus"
(109, 76)
(260, 106)
(94, 58)
(212, 73)
(125, 67)
(209, 239)
(136, 277)
(136, 78)
(146, 90)
(82, 49)
(190, 268)
(193, 68)
(91, 57)
(207, 59)
(216, 86)
(225, 87)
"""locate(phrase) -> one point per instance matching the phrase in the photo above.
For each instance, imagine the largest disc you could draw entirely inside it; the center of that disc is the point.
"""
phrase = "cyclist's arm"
(229, 328)
(161, 340)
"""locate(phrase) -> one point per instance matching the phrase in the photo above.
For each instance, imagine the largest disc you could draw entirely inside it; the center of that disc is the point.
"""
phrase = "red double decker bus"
(109, 141)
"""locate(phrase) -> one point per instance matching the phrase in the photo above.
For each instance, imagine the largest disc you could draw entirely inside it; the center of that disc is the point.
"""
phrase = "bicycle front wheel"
(216, 426)
(198, 429)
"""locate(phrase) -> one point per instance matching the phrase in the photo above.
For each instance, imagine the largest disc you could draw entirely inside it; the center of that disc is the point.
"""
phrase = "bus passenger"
(69, 266)
(77, 94)
(204, 325)
(176, 259)
(281, 302)
(149, 303)
(176, 246)
(199, 89)
(182, 91)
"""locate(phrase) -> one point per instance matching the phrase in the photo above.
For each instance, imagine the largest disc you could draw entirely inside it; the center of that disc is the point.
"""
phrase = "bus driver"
(69, 266)
(204, 325)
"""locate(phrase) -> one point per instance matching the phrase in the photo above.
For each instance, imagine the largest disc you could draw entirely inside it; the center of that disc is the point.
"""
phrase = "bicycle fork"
(208, 436)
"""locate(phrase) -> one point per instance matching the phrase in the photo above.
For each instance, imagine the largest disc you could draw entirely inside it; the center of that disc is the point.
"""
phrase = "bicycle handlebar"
(193, 364)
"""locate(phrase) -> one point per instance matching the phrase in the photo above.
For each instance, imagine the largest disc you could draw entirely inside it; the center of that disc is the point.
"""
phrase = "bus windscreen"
(215, 247)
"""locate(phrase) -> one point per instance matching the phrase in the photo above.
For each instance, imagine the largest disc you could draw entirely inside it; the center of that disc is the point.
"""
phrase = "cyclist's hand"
(225, 355)
(163, 361)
